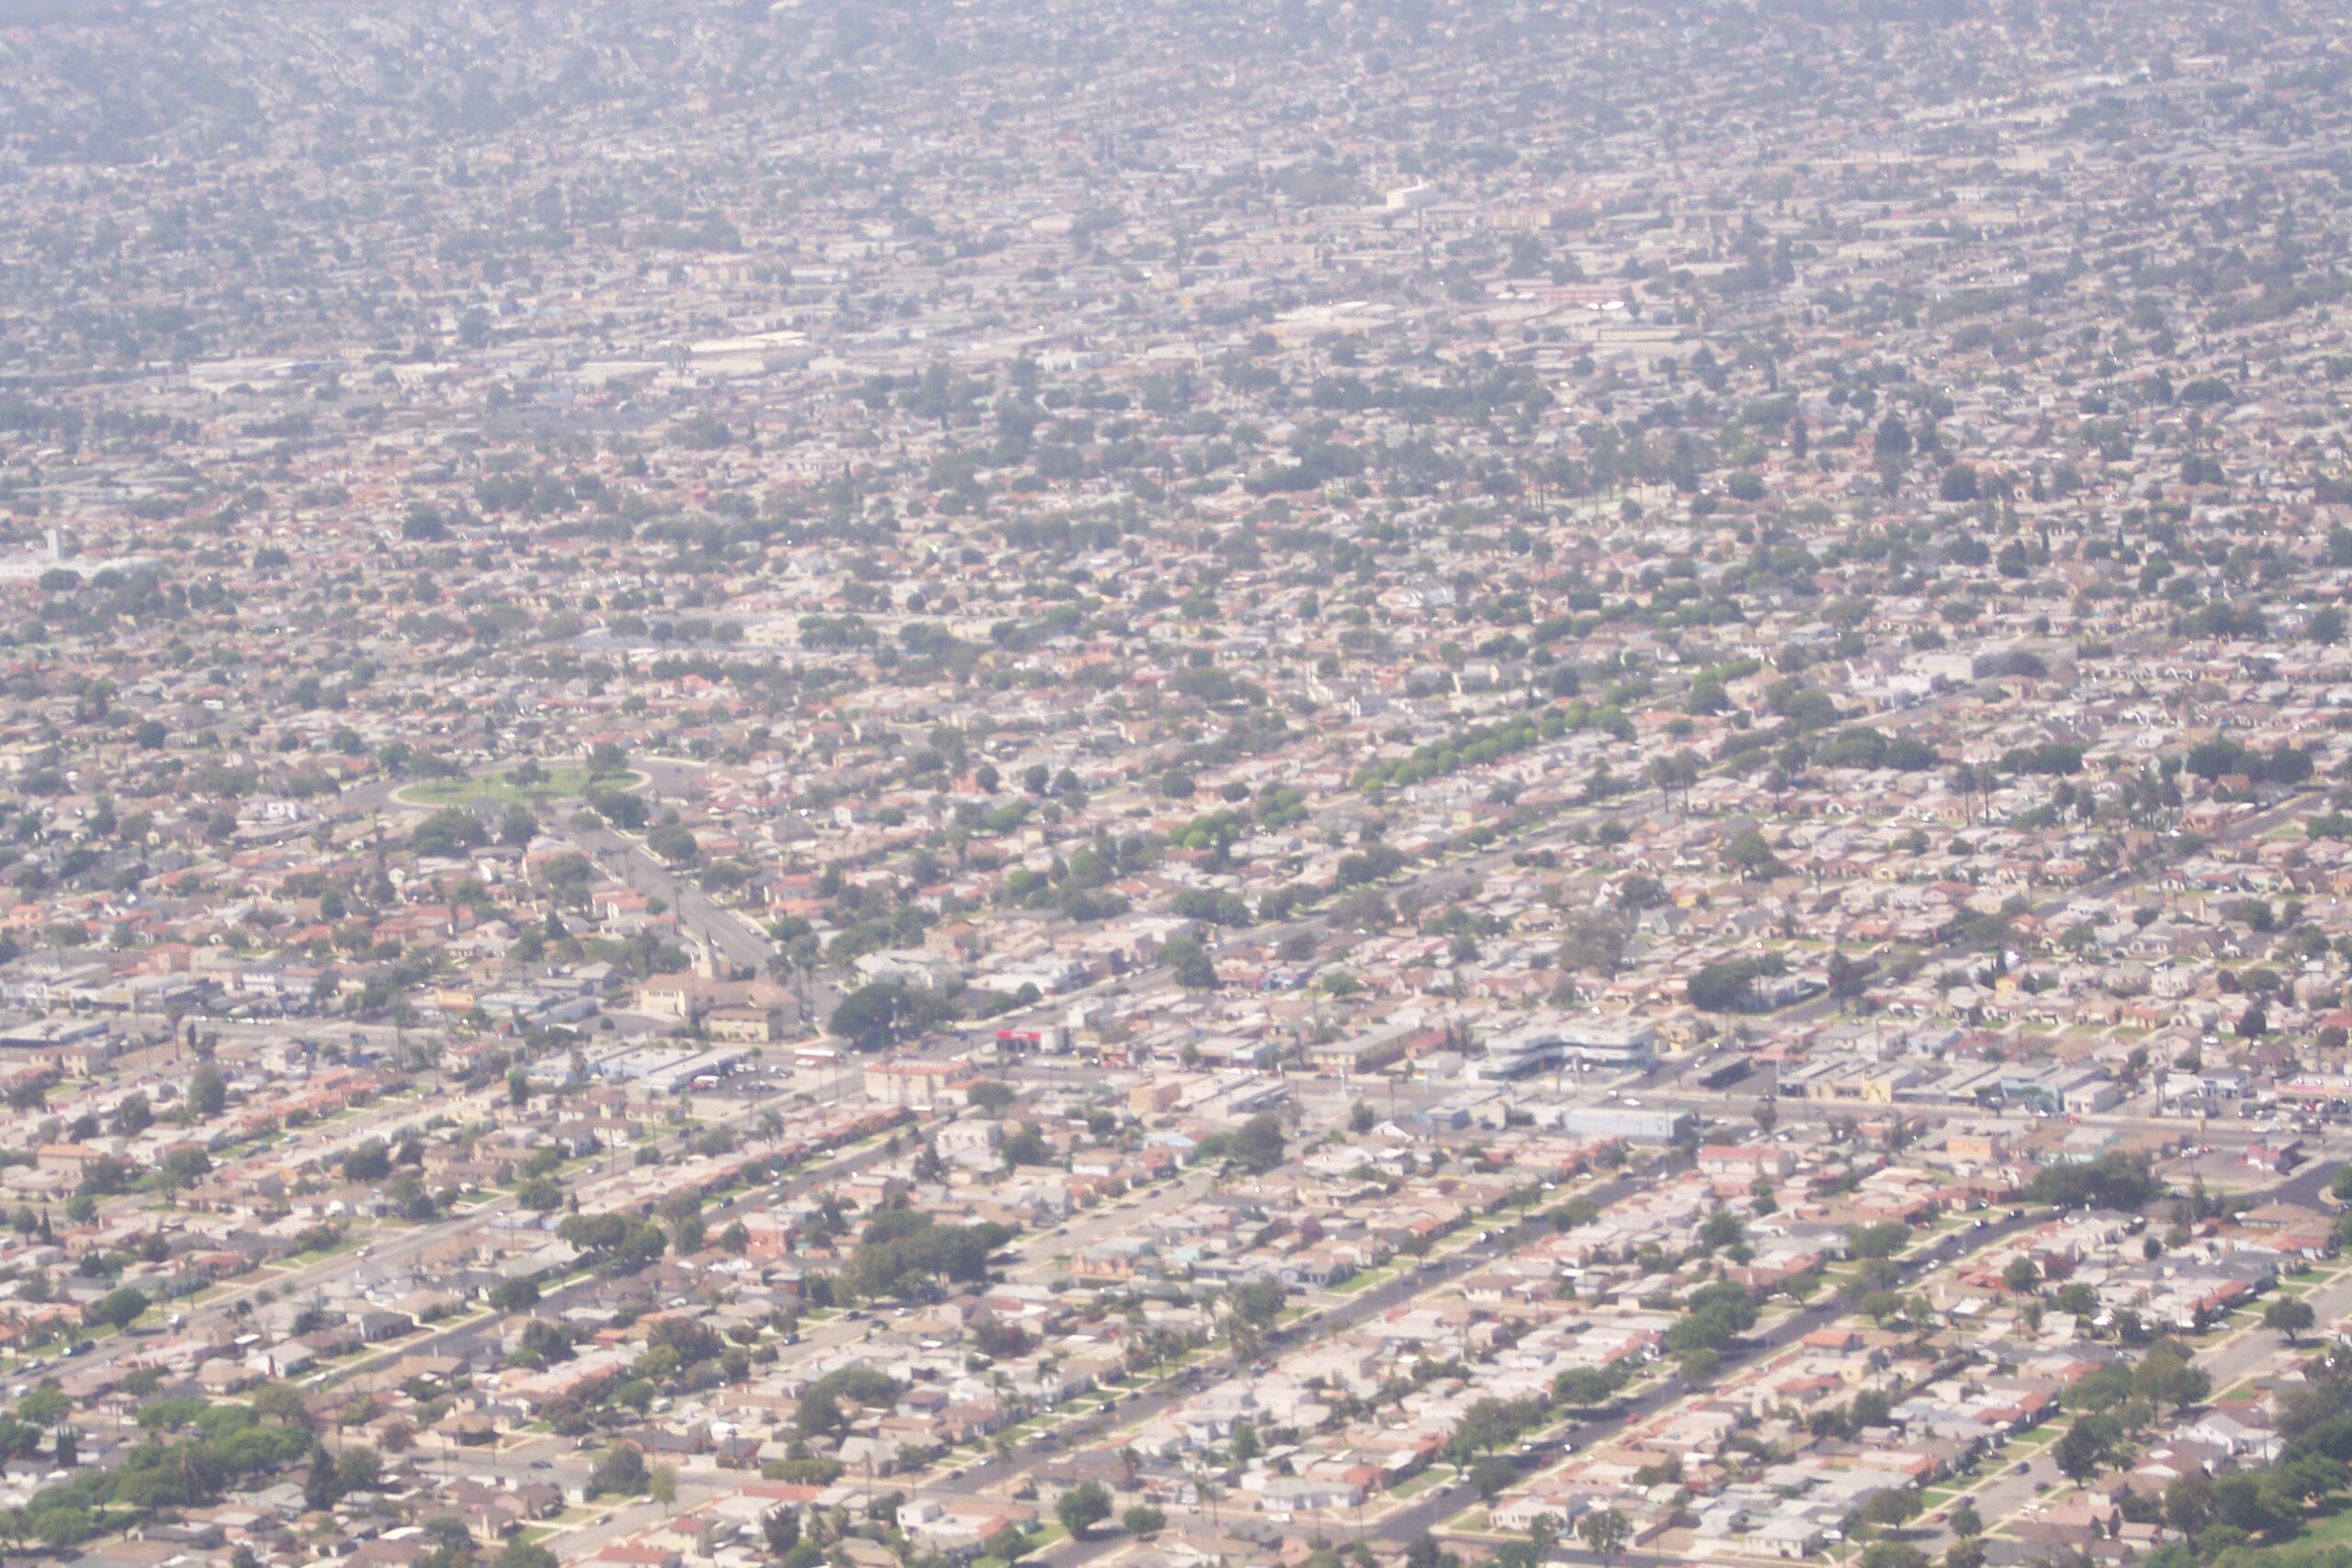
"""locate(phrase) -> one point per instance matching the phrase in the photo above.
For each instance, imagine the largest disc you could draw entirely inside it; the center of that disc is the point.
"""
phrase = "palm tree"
(1205, 1486)
(1677, 771)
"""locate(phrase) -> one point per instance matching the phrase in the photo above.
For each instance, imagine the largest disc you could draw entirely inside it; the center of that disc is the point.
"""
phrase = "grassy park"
(506, 788)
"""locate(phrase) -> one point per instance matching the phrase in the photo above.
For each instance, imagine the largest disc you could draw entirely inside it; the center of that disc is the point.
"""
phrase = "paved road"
(2236, 1358)
(742, 943)
(735, 937)
(726, 929)
(392, 1248)
(560, 1460)
(664, 778)
(1425, 1513)
(1341, 1314)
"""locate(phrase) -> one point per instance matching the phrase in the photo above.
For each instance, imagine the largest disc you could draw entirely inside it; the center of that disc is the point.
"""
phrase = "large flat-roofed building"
(1583, 1045)
(917, 1086)
(1634, 1126)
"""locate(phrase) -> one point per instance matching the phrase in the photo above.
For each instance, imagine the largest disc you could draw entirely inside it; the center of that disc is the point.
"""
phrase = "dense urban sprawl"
(1251, 784)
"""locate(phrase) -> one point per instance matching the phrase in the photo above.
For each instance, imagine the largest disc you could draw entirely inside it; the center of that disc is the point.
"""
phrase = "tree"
(2076, 1299)
(1144, 1519)
(781, 1524)
(358, 1469)
(1848, 978)
(2189, 1503)
(1728, 985)
(877, 1016)
(2022, 1277)
(1751, 854)
(2288, 1315)
(1582, 1388)
(2167, 1375)
(1083, 1504)
(1189, 964)
(208, 1092)
(1491, 1475)
(515, 1295)
(1893, 1554)
(662, 1485)
(1258, 1146)
(622, 1468)
(1605, 1532)
(1965, 1520)
(117, 1309)
(104, 1177)
(2085, 1446)
(1721, 1229)
(2114, 1180)
(674, 843)
(1257, 1302)
(525, 1555)
(1640, 892)
(181, 1168)
(1667, 774)
(1880, 1305)
(990, 1095)
(320, 1489)
(282, 1403)
(44, 1406)
(1592, 940)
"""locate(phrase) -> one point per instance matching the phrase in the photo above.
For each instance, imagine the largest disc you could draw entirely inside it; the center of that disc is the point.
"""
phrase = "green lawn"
(500, 790)
(321, 1254)
(1433, 1476)
(2324, 1538)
